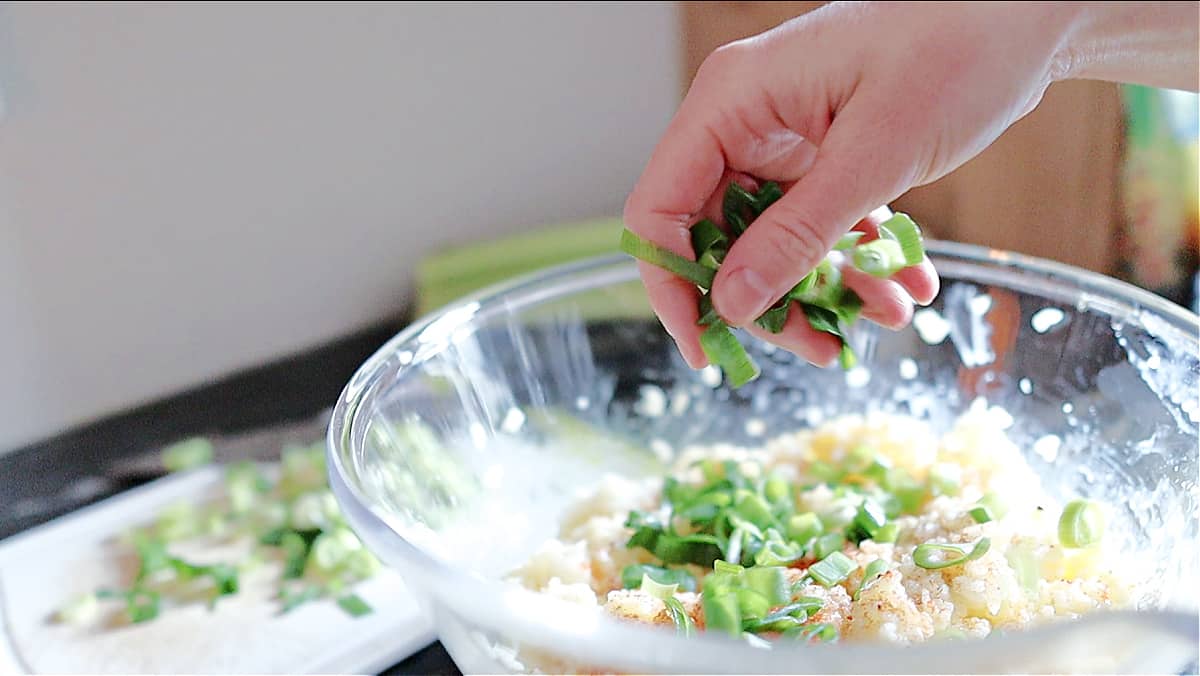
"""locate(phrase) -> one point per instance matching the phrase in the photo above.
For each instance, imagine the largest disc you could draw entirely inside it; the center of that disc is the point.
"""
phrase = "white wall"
(189, 189)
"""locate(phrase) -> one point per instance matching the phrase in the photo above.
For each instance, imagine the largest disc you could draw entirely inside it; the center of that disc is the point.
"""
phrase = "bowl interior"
(463, 440)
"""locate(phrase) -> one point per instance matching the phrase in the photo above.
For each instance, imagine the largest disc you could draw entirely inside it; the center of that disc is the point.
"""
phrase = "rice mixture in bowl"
(867, 528)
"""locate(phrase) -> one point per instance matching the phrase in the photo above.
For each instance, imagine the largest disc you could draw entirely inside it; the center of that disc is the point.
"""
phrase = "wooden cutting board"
(44, 568)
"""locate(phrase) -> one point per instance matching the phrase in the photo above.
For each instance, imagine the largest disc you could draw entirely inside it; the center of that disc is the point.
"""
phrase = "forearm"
(1148, 43)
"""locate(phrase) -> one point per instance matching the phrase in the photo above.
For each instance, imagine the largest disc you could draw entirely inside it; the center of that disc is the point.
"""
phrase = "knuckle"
(796, 237)
(720, 62)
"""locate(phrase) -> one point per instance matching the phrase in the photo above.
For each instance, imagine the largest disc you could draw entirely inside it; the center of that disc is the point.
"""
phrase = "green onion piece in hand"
(848, 240)
(932, 556)
(670, 261)
(708, 314)
(773, 319)
(723, 349)
(768, 194)
(705, 235)
(1081, 524)
(879, 258)
(712, 258)
(904, 231)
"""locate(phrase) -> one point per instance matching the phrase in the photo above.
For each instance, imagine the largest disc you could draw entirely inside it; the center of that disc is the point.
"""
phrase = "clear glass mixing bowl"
(455, 449)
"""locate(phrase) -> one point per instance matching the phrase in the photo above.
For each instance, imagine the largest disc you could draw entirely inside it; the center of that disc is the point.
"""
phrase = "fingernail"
(743, 296)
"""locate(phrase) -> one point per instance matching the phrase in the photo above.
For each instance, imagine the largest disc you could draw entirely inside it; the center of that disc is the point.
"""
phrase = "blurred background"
(191, 190)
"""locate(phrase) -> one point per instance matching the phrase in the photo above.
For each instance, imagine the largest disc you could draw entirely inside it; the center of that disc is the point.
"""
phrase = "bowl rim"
(462, 589)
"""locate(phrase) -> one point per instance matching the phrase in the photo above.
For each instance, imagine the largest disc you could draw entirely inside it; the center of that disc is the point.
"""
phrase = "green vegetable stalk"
(827, 305)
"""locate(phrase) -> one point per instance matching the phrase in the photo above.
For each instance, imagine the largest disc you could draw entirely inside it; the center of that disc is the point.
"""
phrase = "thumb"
(862, 163)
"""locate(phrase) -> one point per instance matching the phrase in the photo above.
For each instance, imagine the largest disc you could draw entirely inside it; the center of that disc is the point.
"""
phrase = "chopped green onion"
(187, 454)
(1021, 559)
(720, 566)
(848, 240)
(706, 235)
(832, 569)
(142, 605)
(777, 489)
(81, 610)
(909, 493)
(802, 528)
(354, 606)
(774, 319)
(846, 357)
(828, 544)
(888, 532)
(733, 546)
(292, 598)
(708, 314)
(736, 202)
(825, 289)
(932, 556)
(712, 258)
(331, 549)
(751, 604)
(879, 258)
(768, 194)
(995, 505)
(768, 581)
(723, 349)
(1081, 524)
(751, 507)
(804, 287)
(870, 518)
(655, 589)
(776, 552)
(786, 617)
(721, 612)
(944, 479)
(821, 631)
(874, 569)
(980, 513)
(679, 617)
(901, 228)
(650, 252)
(631, 576)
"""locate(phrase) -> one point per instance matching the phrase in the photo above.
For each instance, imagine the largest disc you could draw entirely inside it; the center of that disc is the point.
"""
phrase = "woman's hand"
(847, 107)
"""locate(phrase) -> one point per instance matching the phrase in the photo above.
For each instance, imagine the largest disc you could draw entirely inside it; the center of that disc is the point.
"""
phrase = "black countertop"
(50, 478)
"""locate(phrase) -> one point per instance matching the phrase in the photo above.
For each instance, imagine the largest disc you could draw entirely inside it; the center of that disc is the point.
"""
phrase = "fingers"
(682, 174)
(859, 166)
(678, 317)
(920, 281)
(885, 302)
(799, 338)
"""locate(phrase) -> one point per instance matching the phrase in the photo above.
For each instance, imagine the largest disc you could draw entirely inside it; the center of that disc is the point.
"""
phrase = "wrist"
(1151, 43)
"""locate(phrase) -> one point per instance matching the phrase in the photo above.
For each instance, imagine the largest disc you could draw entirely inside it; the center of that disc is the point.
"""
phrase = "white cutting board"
(45, 567)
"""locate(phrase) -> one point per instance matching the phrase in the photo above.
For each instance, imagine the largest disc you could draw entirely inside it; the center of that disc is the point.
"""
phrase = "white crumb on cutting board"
(43, 569)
